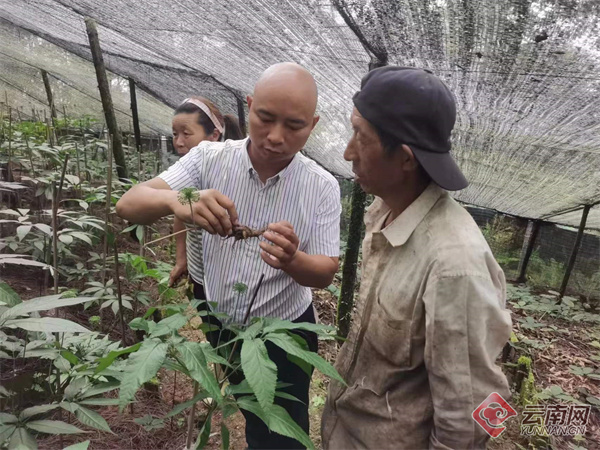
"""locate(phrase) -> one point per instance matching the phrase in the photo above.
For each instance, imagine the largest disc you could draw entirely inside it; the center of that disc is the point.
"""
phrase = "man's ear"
(315, 121)
(408, 158)
(249, 100)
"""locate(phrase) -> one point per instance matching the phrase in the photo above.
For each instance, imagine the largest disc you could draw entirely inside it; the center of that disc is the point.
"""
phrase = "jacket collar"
(403, 226)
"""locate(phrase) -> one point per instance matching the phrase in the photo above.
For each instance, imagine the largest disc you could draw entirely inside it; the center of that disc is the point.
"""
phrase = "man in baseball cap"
(430, 317)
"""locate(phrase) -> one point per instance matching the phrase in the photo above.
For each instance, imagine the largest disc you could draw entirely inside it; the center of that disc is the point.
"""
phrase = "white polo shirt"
(303, 193)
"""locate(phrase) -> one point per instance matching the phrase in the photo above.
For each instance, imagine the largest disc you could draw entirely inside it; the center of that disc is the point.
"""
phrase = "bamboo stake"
(119, 296)
(108, 205)
(573, 258)
(107, 103)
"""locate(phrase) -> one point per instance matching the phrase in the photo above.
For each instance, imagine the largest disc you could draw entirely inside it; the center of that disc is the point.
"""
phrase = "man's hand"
(213, 212)
(284, 245)
(178, 271)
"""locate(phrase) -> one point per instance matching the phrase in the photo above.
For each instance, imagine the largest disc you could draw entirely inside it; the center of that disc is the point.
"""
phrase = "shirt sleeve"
(185, 172)
(466, 327)
(325, 236)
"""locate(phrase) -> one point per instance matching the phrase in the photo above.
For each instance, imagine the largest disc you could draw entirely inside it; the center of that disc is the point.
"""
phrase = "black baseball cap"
(415, 106)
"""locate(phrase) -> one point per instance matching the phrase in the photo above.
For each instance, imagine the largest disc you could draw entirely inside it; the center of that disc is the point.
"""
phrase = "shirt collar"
(403, 226)
(247, 164)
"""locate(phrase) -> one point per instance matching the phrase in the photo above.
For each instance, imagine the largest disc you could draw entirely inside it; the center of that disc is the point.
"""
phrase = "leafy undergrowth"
(562, 341)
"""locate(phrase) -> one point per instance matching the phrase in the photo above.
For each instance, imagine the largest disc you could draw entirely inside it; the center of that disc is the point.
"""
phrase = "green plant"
(164, 347)
(74, 356)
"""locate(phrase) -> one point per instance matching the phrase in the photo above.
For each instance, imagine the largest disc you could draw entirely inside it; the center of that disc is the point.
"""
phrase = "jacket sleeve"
(466, 327)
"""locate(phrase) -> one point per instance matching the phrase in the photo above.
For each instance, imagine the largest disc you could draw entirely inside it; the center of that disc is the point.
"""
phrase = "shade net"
(525, 74)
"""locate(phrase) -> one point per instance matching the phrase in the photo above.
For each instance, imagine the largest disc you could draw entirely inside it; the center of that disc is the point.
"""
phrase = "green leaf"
(278, 324)
(259, 370)
(82, 236)
(100, 401)
(6, 419)
(172, 323)
(204, 434)
(105, 362)
(22, 231)
(72, 358)
(46, 325)
(277, 419)
(69, 406)
(22, 439)
(281, 422)
(65, 239)
(183, 406)
(289, 345)
(75, 387)
(212, 355)
(141, 366)
(8, 296)
(42, 304)
(36, 410)
(195, 361)
(6, 431)
(139, 233)
(101, 389)
(149, 422)
(92, 419)
(593, 400)
(287, 396)
(53, 427)
(224, 437)
(79, 446)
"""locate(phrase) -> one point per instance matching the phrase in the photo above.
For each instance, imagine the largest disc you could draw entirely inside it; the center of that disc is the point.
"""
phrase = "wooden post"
(346, 300)
(241, 115)
(573, 258)
(49, 95)
(107, 104)
(134, 116)
(533, 229)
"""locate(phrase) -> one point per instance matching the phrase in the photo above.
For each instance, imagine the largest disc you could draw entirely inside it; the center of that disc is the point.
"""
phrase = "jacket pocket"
(389, 339)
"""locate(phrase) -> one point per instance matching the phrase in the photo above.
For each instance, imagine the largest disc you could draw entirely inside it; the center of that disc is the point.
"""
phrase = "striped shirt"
(303, 194)
(193, 250)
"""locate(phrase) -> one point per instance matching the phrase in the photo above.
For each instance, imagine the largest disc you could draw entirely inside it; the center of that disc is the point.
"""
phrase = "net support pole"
(241, 114)
(107, 104)
(49, 95)
(355, 232)
(573, 258)
(533, 229)
(134, 115)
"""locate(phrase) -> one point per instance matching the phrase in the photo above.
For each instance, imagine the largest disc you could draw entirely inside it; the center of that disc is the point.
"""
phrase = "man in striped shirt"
(260, 181)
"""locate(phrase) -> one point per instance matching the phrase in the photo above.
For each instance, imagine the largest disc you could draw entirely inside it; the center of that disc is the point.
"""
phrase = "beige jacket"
(429, 324)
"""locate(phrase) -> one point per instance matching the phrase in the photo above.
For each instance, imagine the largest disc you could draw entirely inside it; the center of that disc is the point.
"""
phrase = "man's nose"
(275, 136)
(349, 153)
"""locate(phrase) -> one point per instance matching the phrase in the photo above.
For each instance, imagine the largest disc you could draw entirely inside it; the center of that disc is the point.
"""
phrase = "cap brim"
(442, 169)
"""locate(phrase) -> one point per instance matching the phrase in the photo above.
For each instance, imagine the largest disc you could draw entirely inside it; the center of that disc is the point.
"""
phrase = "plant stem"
(165, 237)
(119, 296)
(190, 430)
(55, 202)
(173, 399)
(235, 344)
(9, 166)
(30, 152)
